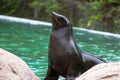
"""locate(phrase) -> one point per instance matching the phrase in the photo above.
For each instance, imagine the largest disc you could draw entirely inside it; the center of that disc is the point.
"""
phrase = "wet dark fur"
(65, 58)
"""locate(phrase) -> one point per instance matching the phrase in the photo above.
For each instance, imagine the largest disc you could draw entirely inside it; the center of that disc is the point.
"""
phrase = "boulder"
(104, 71)
(14, 68)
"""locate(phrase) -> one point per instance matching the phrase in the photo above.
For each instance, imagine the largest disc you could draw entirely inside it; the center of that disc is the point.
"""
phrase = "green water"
(30, 42)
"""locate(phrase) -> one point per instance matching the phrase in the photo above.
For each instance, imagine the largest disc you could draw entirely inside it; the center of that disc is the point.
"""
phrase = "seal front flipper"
(51, 74)
(76, 70)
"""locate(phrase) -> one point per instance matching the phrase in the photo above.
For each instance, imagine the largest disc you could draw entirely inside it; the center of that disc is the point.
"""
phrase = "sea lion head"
(59, 21)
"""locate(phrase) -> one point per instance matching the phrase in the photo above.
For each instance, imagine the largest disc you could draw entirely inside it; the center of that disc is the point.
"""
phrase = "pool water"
(30, 42)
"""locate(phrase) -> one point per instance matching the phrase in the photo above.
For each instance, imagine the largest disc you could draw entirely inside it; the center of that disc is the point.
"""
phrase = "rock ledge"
(14, 68)
(104, 71)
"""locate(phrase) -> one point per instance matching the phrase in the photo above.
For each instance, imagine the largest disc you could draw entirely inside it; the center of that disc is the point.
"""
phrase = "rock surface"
(105, 71)
(13, 68)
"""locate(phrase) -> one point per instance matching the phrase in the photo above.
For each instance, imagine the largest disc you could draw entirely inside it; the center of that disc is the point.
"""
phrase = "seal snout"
(53, 15)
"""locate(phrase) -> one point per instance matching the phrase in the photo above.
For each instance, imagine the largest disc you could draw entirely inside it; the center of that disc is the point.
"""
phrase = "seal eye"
(61, 19)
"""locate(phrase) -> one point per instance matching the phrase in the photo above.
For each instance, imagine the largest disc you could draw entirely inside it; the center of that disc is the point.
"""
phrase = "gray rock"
(104, 71)
(14, 68)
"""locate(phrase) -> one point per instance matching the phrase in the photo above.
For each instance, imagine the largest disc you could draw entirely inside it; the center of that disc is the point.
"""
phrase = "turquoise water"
(30, 42)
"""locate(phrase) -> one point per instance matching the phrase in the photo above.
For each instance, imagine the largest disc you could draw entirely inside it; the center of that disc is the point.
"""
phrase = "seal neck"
(66, 31)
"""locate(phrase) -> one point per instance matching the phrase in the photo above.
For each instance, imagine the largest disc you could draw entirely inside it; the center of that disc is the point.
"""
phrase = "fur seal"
(64, 57)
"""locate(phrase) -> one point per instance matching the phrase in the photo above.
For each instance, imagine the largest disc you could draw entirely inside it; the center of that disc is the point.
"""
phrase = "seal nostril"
(54, 14)
(51, 13)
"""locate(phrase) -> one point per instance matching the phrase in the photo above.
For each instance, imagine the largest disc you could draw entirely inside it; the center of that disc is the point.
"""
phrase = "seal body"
(64, 57)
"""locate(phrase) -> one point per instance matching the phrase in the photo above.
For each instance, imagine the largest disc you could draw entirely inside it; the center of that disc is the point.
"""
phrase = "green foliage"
(117, 21)
(35, 3)
(94, 14)
(97, 8)
(8, 7)
(98, 15)
(50, 5)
